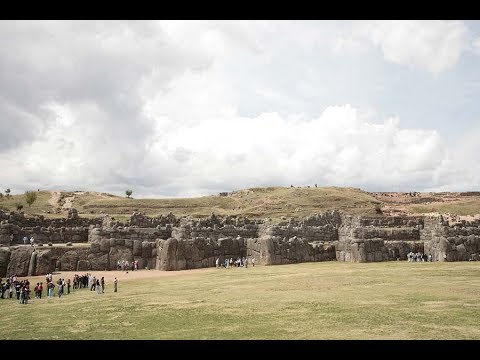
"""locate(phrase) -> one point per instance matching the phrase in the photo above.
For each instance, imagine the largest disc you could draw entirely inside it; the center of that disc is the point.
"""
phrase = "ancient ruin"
(171, 243)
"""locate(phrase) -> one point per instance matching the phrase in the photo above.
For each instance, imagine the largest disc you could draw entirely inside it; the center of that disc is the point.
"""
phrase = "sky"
(193, 108)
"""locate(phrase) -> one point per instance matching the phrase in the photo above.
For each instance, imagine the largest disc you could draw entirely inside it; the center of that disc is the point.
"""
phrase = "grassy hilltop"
(273, 202)
(269, 202)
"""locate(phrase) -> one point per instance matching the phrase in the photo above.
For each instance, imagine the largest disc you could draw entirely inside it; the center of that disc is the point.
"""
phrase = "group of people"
(415, 257)
(22, 287)
(229, 263)
(125, 265)
(25, 240)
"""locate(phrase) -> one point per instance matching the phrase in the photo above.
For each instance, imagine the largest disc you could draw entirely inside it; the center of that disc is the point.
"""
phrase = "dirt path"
(68, 202)
(55, 199)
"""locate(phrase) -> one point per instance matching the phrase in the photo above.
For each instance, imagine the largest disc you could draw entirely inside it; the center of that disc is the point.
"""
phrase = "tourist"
(18, 287)
(68, 286)
(32, 241)
(25, 240)
(253, 261)
(40, 290)
(102, 282)
(22, 294)
(26, 292)
(60, 288)
(115, 282)
(97, 286)
(216, 262)
(2, 288)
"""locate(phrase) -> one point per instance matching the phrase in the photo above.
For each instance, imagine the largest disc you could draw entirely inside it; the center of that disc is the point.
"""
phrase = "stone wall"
(170, 243)
(71, 229)
(458, 241)
(97, 233)
(372, 239)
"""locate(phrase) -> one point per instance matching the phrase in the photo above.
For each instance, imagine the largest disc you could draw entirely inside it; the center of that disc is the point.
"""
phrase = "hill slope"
(271, 202)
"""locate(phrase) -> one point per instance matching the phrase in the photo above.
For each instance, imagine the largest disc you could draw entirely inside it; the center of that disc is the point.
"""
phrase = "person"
(68, 286)
(25, 240)
(102, 282)
(253, 261)
(11, 238)
(216, 263)
(115, 285)
(32, 240)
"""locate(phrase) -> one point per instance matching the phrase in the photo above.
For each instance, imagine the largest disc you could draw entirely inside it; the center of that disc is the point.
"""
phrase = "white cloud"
(433, 45)
(190, 108)
(476, 45)
(339, 147)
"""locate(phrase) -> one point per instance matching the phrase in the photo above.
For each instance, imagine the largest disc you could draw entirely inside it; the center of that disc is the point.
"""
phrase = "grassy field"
(465, 207)
(328, 300)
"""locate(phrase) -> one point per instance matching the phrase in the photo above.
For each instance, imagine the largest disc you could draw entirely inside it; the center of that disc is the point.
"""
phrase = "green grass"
(465, 207)
(328, 300)
(38, 207)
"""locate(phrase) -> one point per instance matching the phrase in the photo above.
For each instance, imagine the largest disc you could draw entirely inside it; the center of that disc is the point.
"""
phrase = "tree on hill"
(128, 193)
(30, 197)
(7, 192)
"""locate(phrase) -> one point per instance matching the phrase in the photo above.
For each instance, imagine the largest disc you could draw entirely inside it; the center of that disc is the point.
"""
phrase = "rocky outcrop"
(4, 260)
(44, 263)
(119, 253)
(68, 261)
(167, 258)
(19, 260)
(98, 262)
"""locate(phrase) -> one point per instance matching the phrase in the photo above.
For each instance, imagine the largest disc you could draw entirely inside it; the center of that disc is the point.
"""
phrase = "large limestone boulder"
(225, 246)
(19, 261)
(104, 245)
(4, 259)
(98, 261)
(137, 248)
(83, 265)
(119, 254)
(146, 249)
(44, 263)
(181, 261)
(167, 260)
(95, 248)
(267, 251)
(69, 261)
(461, 253)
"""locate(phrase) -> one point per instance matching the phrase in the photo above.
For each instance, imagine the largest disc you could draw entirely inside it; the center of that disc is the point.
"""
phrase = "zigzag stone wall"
(170, 243)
